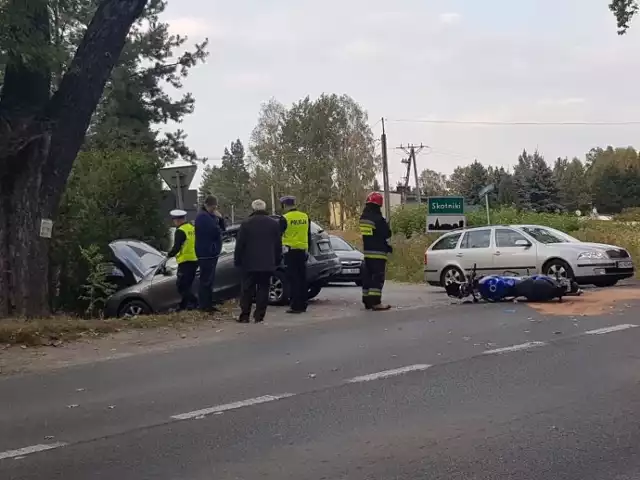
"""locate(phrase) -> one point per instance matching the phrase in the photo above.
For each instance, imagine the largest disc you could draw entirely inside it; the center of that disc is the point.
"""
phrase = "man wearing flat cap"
(184, 249)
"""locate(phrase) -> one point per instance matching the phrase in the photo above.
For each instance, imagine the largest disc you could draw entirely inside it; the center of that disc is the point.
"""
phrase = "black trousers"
(255, 285)
(184, 281)
(207, 279)
(296, 264)
(373, 272)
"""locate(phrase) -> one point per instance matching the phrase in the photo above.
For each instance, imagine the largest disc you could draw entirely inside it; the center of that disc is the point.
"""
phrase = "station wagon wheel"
(557, 268)
(451, 275)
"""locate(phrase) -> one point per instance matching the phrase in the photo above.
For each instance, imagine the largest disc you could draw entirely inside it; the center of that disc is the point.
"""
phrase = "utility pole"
(412, 150)
(385, 173)
(273, 200)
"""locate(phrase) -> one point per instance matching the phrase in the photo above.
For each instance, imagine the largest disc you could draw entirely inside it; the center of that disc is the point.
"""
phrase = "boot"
(381, 308)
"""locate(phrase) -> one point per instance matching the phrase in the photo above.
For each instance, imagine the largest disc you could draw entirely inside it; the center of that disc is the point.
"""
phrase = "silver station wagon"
(523, 249)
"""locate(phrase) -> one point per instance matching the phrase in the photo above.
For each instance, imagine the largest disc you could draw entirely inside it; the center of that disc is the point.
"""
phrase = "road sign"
(446, 205)
(178, 179)
(445, 214)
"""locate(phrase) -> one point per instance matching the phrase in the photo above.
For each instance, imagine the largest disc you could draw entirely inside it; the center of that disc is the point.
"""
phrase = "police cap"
(178, 213)
(288, 200)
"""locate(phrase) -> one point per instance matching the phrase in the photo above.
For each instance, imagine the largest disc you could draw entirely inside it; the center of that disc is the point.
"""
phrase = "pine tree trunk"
(24, 284)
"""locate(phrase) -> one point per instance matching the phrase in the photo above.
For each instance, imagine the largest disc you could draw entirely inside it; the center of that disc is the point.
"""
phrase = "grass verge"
(60, 329)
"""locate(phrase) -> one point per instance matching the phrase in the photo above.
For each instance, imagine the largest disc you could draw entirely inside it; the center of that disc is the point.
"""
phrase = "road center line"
(389, 373)
(515, 348)
(21, 452)
(231, 406)
(615, 328)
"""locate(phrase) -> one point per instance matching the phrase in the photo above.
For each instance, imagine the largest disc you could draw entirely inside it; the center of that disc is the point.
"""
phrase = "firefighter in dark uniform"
(296, 239)
(375, 233)
(184, 249)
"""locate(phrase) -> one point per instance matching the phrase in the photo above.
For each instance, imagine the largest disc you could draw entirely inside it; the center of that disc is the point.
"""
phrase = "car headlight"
(592, 256)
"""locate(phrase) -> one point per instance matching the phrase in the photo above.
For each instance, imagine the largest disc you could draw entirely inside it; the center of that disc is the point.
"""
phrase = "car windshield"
(547, 235)
(340, 245)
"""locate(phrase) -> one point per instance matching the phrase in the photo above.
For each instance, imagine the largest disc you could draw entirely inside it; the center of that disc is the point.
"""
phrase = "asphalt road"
(435, 391)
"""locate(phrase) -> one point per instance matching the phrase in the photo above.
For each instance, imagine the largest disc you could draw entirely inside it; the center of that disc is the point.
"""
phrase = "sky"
(415, 60)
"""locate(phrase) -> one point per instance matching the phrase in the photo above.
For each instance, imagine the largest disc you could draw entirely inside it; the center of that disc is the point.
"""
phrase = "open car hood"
(139, 257)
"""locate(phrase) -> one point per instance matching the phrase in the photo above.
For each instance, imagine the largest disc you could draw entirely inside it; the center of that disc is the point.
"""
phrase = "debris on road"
(590, 303)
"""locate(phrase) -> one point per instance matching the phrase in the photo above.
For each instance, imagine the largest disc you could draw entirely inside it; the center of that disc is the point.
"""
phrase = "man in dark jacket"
(258, 253)
(208, 247)
(375, 233)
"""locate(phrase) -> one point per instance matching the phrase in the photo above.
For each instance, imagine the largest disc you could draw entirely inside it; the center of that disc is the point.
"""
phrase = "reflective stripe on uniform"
(187, 252)
(375, 292)
(375, 254)
(367, 227)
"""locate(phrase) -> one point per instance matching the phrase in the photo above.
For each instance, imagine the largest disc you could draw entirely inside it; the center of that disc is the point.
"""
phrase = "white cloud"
(449, 18)
(192, 27)
(246, 80)
(361, 49)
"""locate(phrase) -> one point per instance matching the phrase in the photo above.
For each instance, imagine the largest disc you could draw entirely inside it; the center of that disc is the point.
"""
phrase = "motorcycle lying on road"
(499, 288)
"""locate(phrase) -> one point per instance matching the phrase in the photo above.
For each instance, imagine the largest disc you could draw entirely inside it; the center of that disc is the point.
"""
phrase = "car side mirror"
(523, 243)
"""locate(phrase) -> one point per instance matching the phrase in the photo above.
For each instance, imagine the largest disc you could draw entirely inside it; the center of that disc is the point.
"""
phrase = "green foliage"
(535, 187)
(624, 11)
(230, 182)
(468, 181)
(97, 289)
(629, 215)
(320, 150)
(432, 183)
(110, 195)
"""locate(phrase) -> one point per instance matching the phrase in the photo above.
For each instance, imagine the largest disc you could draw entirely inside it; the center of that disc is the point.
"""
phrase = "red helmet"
(375, 198)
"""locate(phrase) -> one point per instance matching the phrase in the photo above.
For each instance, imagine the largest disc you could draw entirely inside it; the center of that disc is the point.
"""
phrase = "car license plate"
(350, 271)
(625, 264)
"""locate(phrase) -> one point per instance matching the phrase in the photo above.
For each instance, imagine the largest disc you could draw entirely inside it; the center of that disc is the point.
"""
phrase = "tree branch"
(72, 106)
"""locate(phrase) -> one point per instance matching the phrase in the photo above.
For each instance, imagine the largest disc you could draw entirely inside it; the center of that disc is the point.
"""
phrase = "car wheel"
(557, 268)
(133, 308)
(314, 291)
(605, 282)
(278, 289)
(451, 275)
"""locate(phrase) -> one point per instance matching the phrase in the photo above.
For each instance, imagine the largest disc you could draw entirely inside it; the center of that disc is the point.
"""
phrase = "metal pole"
(233, 215)
(486, 201)
(415, 174)
(385, 174)
(179, 190)
(273, 200)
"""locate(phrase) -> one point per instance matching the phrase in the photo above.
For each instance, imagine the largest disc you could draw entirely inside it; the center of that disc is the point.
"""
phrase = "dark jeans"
(373, 276)
(184, 281)
(296, 263)
(207, 279)
(254, 285)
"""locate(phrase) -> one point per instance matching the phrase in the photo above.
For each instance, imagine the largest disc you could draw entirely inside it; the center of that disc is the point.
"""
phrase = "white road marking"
(389, 373)
(615, 328)
(515, 348)
(21, 452)
(231, 406)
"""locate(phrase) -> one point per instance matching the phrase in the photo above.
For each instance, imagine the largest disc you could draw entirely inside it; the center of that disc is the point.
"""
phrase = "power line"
(489, 123)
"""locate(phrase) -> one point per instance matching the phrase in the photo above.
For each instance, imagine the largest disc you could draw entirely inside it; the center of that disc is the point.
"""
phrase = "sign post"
(485, 192)
(445, 214)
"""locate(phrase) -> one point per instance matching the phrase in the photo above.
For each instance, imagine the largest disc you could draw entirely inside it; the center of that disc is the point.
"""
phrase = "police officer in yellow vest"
(184, 249)
(296, 239)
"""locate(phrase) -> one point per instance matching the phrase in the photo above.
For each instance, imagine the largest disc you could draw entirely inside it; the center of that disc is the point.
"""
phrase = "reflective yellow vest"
(296, 236)
(188, 251)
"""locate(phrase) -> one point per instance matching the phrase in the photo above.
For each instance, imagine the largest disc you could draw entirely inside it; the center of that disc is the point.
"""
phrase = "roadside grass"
(406, 262)
(57, 330)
